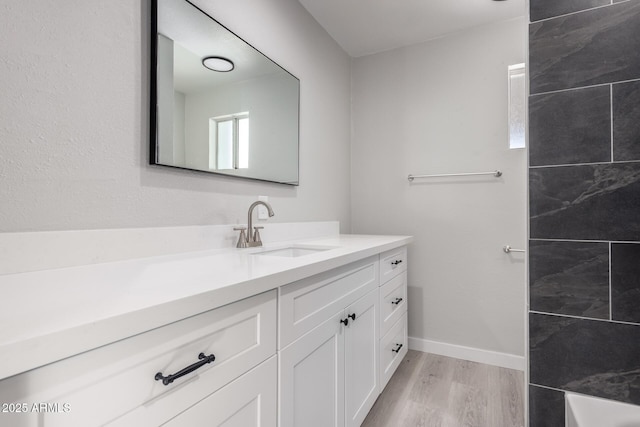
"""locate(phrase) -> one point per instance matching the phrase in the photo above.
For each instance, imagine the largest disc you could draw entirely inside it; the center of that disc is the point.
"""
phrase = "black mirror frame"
(153, 101)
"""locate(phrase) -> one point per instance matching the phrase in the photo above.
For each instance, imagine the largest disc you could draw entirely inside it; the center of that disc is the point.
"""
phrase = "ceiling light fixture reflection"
(218, 63)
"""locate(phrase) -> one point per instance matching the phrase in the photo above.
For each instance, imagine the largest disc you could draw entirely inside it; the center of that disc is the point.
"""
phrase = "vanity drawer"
(393, 348)
(309, 302)
(115, 385)
(393, 302)
(249, 401)
(392, 263)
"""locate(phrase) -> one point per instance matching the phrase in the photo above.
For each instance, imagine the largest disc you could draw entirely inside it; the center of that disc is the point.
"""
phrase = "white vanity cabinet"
(290, 342)
(329, 347)
(116, 385)
(393, 312)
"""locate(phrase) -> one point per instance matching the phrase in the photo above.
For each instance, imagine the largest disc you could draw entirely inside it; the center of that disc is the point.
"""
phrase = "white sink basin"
(294, 251)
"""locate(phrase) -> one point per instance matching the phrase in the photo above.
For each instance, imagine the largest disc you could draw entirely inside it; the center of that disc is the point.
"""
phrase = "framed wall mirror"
(218, 105)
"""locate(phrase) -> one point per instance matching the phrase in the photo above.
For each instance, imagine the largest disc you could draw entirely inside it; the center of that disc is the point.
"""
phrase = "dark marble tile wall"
(583, 49)
(586, 202)
(547, 408)
(570, 127)
(569, 278)
(586, 356)
(626, 121)
(625, 282)
(584, 198)
(543, 9)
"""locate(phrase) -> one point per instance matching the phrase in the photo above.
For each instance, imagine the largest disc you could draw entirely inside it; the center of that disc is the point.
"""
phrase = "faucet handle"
(242, 240)
(256, 235)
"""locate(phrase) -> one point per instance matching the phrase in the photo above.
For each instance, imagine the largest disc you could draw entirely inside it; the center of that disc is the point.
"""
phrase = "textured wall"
(441, 107)
(74, 119)
(584, 185)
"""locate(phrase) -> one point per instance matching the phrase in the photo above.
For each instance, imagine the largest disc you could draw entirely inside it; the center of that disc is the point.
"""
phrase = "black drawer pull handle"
(352, 316)
(396, 262)
(345, 321)
(171, 378)
(397, 350)
(397, 301)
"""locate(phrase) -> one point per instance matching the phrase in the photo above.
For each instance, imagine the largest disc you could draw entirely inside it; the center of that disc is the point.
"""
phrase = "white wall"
(441, 107)
(74, 119)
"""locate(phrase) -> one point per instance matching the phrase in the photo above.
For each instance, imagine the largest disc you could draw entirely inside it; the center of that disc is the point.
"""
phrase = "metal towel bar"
(496, 173)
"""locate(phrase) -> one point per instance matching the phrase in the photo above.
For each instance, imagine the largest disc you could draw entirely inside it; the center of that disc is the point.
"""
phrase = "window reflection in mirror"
(229, 142)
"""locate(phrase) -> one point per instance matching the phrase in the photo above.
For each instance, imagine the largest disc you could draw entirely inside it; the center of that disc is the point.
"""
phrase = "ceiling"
(363, 27)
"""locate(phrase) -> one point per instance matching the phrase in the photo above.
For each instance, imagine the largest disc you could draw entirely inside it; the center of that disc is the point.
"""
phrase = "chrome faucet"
(252, 239)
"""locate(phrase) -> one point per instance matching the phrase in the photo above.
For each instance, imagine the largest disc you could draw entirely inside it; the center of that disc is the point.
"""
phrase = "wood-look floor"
(429, 390)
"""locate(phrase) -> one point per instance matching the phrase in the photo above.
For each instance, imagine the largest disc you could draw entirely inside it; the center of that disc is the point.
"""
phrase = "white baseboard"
(504, 360)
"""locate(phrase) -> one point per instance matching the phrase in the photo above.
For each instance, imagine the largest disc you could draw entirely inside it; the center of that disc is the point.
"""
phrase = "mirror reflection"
(221, 105)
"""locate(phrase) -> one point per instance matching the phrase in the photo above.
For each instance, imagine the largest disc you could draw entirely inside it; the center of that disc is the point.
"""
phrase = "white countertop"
(49, 315)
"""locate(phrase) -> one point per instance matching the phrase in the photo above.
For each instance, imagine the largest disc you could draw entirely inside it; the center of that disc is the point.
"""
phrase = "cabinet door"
(361, 358)
(312, 378)
(249, 401)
